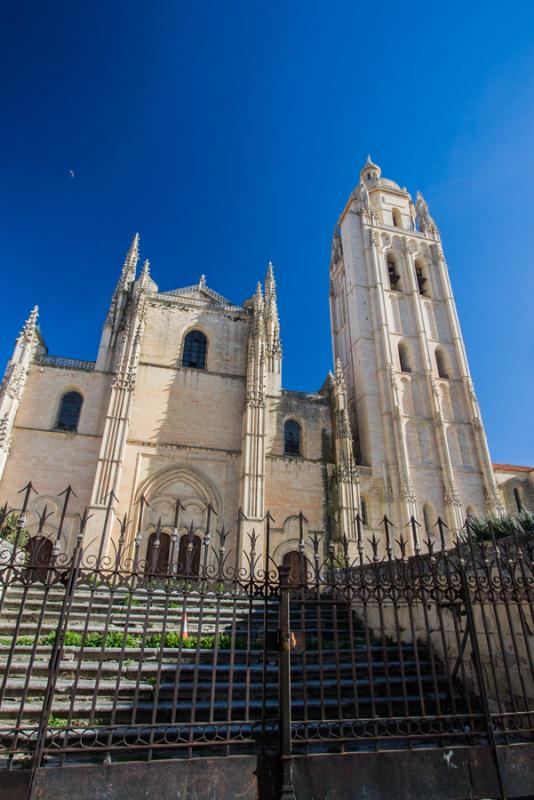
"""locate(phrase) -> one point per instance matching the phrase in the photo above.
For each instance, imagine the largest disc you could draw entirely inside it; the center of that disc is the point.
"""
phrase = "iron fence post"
(477, 664)
(54, 664)
(287, 792)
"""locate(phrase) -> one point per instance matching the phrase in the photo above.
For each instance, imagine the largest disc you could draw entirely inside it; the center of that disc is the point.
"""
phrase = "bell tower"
(396, 333)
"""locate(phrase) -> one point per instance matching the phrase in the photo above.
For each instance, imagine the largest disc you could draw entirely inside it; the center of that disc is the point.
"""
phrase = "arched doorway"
(157, 554)
(189, 564)
(298, 567)
(39, 549)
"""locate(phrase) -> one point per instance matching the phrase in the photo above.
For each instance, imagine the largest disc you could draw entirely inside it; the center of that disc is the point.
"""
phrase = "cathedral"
(182, 420)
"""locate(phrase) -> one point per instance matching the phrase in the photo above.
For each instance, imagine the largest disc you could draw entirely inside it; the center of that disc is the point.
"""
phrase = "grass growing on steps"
(172, 639)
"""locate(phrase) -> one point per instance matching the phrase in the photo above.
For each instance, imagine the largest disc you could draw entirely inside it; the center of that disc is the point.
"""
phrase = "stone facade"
(394, 430)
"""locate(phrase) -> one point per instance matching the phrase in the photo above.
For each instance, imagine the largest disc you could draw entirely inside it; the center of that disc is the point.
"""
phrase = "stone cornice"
(66, 434)
(296, 459)
(182, 301)
(312, 397)
(179, 368)
(191, 448)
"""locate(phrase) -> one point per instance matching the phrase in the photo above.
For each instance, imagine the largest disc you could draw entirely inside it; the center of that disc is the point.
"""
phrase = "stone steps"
(242, 662)
(135, 683)
(204, 709)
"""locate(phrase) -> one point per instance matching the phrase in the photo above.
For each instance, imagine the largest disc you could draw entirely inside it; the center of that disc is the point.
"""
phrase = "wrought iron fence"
(117, 657)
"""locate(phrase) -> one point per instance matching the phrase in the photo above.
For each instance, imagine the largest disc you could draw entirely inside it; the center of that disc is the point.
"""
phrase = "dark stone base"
(450, 774)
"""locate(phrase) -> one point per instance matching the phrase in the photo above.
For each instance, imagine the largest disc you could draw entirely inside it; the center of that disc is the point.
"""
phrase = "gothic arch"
(161, 490)
(290, 545)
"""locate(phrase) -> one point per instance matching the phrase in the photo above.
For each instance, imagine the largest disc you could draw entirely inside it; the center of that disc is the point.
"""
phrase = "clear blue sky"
(231, 133)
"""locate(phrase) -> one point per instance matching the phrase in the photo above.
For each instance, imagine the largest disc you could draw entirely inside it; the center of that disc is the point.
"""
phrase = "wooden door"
(298, 567)
(39, 549)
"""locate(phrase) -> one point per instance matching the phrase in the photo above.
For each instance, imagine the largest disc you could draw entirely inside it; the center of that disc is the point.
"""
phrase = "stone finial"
(424, 221)
(259, 308)
(133, 252)
(30, 326)
(130, 262)
(270, 283)
(271, 309)
(144, 278)
(258, 296)
(202, 282)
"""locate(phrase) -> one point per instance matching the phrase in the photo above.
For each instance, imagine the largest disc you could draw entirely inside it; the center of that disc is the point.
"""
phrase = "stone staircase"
(125, 664)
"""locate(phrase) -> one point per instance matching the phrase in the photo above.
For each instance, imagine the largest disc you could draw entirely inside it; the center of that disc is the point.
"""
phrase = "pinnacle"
(270, 283)
(130, 263)
(258, 300)
(31, 322)
(133, 250)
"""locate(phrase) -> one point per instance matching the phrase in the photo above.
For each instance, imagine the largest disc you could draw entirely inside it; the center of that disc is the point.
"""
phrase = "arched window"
(69, 411)
(195, 346)
(518, 502)
(364, 514)
(441, 363)
(397, 219)
(292, 438)
(404, 358)
(393, 275)
(422, 280)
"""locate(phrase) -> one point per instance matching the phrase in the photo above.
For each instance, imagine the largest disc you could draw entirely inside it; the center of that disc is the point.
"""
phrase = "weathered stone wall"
(519, 478)
(53, 459)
